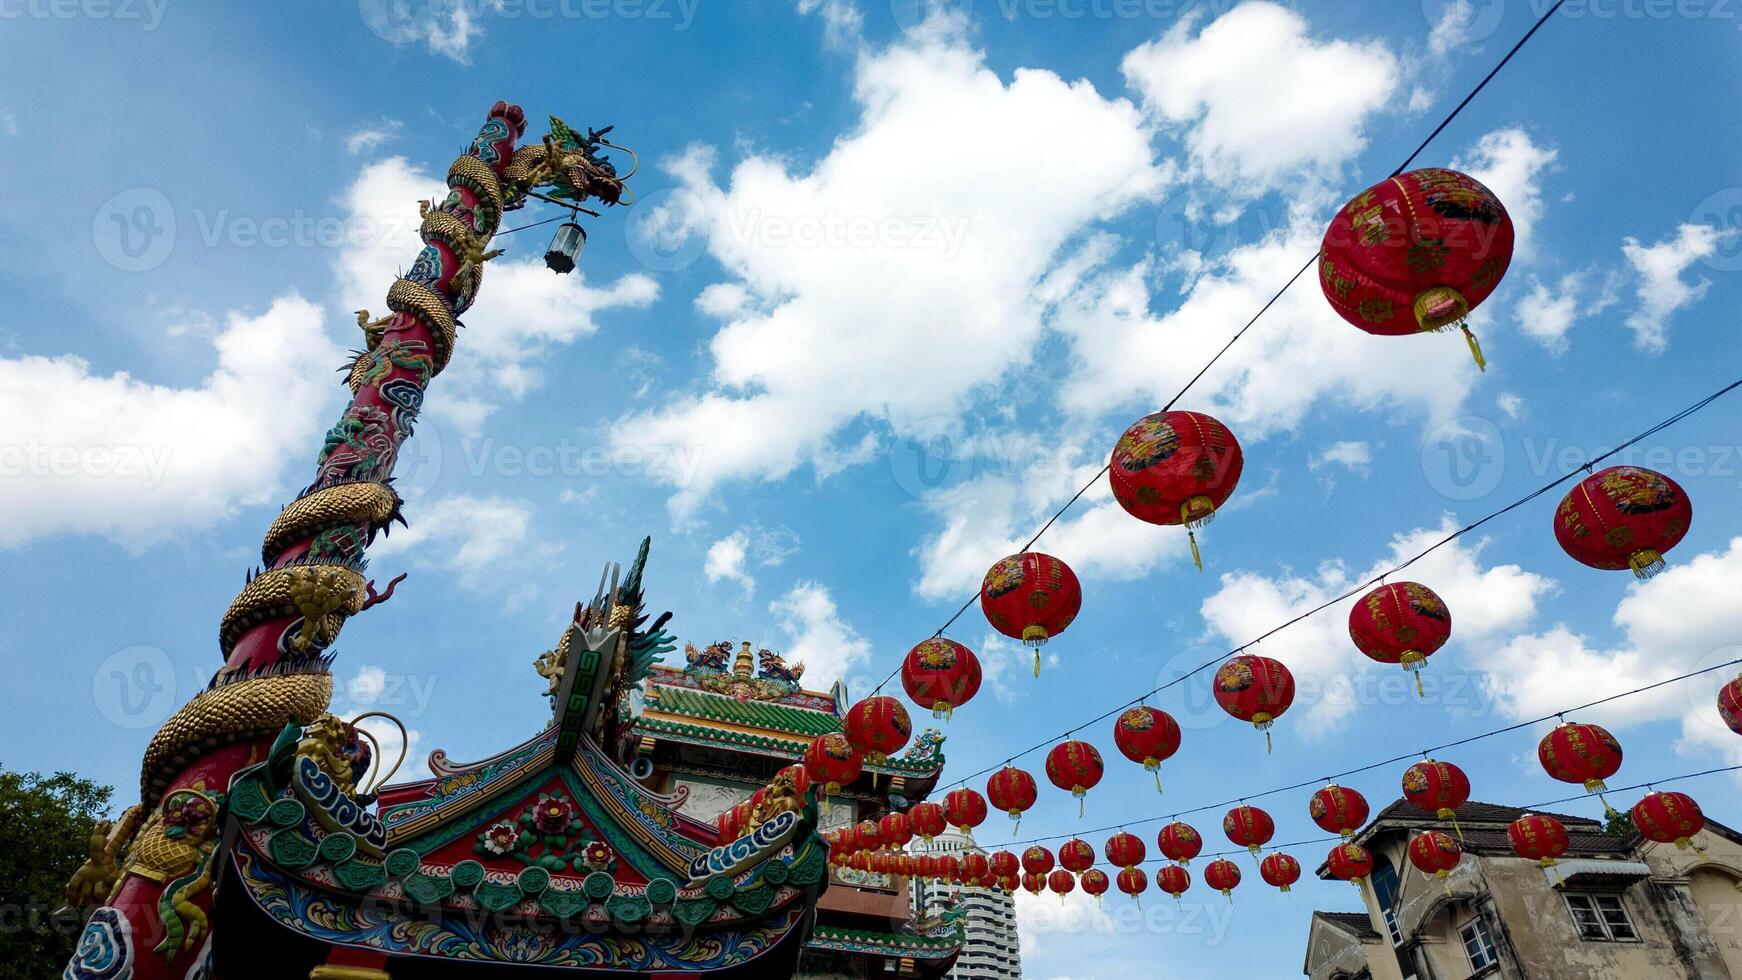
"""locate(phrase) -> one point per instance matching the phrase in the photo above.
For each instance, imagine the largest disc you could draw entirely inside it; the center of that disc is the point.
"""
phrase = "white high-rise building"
(990, 950)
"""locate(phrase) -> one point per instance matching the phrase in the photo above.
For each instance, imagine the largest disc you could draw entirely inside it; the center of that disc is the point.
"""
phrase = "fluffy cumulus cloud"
(1682, 620)
(135, 460)
(858, 295)
(523, 313)
(485, 541)
(1258, 98)
(1662, 290)
(817, 636)
(1487, 601)
(444, 27)
(732, 558)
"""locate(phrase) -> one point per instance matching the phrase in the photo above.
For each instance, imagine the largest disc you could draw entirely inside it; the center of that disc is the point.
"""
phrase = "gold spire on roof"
(743, 666)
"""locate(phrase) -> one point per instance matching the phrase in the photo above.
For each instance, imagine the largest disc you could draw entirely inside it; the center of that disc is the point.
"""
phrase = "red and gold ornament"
(1223, 876)
(1005, 864)
(1030, 597)
(1179, 842)
(1175, 879)
(832, 761)
(1538, 837)
(1061, 882)
(1730, 705)
(893, 831)
(1074, 766)
(1175, 468)
(926, 819)
(1350, 862)
(1249, 827)
(1012, 790)
(1147, 736)
(1076, 856)
(1580, 753)
(976, 869)
(1125, 850)
(965, 809)
(1416, 253)
(1279, 870)
(1438, 788)
(1668, 818)
(940, 674)
(1036, 860)
(1094, 882)
(1623, 517)
(1435, 853)
(1338, 810)
(1033, 884)
(878, 727)
(1133, 882)
(1400, 623)
(1255, 689)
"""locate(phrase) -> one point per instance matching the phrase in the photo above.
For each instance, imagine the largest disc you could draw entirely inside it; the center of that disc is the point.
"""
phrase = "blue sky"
(893, 286)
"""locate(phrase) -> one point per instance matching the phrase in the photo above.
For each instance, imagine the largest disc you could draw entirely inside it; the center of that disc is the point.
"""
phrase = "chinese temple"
(711, 733)
(263, 844)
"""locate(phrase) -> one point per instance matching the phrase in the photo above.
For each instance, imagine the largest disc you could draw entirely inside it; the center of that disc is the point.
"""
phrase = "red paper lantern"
(976, 870)
(1013, 791)
(1350, 862)
(1076, 767)
(859, 861)
(940, 674)
(1668, 818)
(1435, 853)
(1538, 837)
(878, 727)
(1175, 468)
(1578, 753)
(1730, 705)
(1095, 883)
(1338, 810)
(926, 819)
(964, 809)
(832, 761)
(1125, 850)
(893, 831)
(1437, 787)
(1400, 623)
(949, 868)
(1179, 842)
(1223, 876)
(1076, 856)
(1036, 860)
(1255, 689)
(1005, 864)
(1009, 883)
(1147, 736)
(1174, 879)
(926, 866)
(868, 835)
(1061, 882)
(1133, 882)
(905, 865)
(1033, 884)
(1623, 517)
(1030, 597)
(1279, 870)
(883, 863)
(1416, 253)
(1249, 827)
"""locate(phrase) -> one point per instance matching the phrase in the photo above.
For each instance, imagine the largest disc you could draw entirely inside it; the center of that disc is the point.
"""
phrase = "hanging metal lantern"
(565, 247)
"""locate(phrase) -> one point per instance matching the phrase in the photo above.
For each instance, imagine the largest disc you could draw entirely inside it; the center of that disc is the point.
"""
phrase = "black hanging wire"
(1364, 586)
(1086, 487)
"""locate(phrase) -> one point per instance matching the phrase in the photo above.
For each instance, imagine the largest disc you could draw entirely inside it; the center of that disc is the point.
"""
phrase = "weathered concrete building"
(1617, 907)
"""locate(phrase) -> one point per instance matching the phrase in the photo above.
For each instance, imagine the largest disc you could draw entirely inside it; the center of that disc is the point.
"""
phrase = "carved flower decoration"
(552, 814)
(501, 838)
(596, 855)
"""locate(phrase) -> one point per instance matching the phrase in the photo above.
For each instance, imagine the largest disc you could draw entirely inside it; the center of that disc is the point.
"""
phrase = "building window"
(1600, 918)
(1385, 890)
(1478, 944)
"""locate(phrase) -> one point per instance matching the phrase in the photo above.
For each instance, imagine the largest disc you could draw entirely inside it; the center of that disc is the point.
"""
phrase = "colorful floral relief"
(549, 833)
(1004, 576)
(1233, 676)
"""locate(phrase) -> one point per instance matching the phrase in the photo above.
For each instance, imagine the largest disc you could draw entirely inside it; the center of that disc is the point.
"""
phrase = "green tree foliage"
(45, 826)
(1618, 822)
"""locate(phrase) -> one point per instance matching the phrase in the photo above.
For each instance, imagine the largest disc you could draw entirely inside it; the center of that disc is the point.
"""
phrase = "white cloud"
(1511, 165)
(1661, 289)
(445, 27)
(1485, 601)
(817, 636)
(726, 561)
(8, 122)
(1511, 405)
(485, 541)
(370, 137)
(523, 310)
(137, 461)
(1452, 29)
(880, 298)
(1260, 99)
(1681, 620)
(1350, 455)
